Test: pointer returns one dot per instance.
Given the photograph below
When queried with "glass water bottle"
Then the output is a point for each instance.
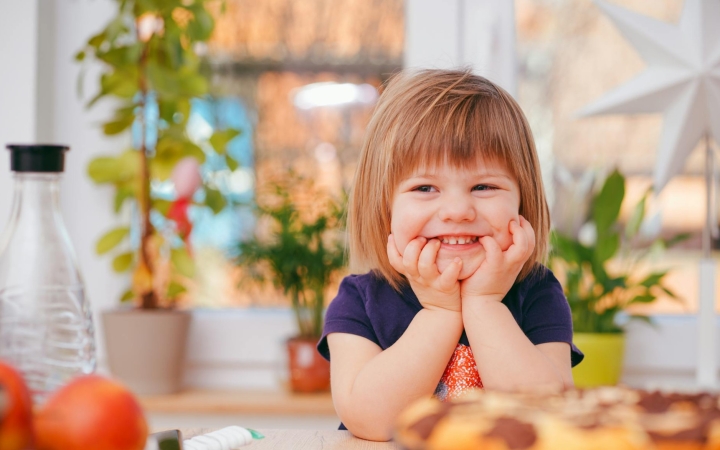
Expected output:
(46, 328)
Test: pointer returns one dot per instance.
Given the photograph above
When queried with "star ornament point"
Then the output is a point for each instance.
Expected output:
(681, 80)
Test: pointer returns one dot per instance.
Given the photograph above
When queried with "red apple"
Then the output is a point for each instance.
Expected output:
(91, 412)
(16, 426)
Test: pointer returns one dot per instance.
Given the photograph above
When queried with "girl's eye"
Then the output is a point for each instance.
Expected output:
(484, 187)
(424, 188)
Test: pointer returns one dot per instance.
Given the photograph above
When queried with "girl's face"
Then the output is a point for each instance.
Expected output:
(456, 206)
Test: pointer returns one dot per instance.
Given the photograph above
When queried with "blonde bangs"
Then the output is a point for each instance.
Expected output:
(428, 119)
(454, 133)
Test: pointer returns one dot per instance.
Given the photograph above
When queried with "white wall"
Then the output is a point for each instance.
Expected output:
(452, 33)
(18, 68)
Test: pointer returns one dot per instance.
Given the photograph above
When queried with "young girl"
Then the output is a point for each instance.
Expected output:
(449, 219)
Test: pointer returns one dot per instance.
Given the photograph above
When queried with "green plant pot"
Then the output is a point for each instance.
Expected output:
(602, 365)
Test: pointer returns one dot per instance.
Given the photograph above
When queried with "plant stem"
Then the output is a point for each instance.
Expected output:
(149, 298)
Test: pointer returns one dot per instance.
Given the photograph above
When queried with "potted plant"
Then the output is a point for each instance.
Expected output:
(151, 68)
(301, 253)
(601, 275)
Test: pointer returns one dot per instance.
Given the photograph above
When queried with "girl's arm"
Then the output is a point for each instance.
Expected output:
(371, 387)
(506, 358)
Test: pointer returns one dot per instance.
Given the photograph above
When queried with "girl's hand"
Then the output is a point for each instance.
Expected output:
(497, 273)
(434, 290)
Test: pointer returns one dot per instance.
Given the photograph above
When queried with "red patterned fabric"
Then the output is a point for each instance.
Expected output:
(460, 375)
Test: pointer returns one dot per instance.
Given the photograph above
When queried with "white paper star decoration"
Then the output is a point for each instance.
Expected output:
(682, 79)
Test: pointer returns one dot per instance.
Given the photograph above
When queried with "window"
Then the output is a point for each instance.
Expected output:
(569, 55)
(271, 61)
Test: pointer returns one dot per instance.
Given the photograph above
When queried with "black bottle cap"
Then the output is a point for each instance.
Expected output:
(37, 157)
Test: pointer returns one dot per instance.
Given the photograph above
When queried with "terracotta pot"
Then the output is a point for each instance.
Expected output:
(146, 348)
(309, 371)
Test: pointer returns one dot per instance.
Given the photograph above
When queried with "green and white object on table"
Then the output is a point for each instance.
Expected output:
(228, 438)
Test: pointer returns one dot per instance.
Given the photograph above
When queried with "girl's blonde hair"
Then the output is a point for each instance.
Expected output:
(426, 119)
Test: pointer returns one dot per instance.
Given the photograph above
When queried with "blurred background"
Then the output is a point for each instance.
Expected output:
(299, 79)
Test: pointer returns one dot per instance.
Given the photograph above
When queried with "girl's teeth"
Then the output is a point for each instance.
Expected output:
(458, 240)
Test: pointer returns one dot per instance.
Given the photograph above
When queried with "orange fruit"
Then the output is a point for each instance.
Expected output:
(91, 412)
(16, 425)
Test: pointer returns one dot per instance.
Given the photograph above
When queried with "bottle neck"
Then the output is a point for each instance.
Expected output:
(36, 194)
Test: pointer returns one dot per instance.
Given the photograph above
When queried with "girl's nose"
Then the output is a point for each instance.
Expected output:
(457, 210)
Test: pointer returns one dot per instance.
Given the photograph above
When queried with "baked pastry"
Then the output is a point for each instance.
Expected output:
(604, 418)
(676, 421)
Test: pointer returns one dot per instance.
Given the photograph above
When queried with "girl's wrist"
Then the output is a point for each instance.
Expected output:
(443, 314)
(481, 304)
(479, 299)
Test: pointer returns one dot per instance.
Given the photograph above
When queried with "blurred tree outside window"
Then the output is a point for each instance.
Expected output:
(570, 54)
(270, 60)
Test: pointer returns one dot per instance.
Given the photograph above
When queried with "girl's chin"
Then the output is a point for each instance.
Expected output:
(470, 265)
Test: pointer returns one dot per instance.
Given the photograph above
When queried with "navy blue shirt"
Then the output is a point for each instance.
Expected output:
(366, 305)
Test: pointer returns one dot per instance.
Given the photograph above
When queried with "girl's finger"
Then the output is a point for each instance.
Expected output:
(411, 255)
(426, 262)
(518, 251)
(394, 255)
(450, 275)
(530, 232)
(493, 252)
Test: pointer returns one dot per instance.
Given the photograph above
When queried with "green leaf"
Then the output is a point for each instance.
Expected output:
(169, 151)
(678, 238)
(565, 248)
(193, 85)
(80, 56)
(111, 239)
(122, 262)
(103, 169)
(97, 40)
(232, 164)
(175, 289)
(121, 83)
(162, 206)
(118, 126)
(190, 149)
(106, 169)
(121, 195)
(215, 200)
(647, 298)
(182, 262)
(606, 206)
(220, 139)
(653, 279)
(607, 247)
(670, 293)
(201, 26)
(164, 81)
(643, 318)
(638, 214)
(127, 296)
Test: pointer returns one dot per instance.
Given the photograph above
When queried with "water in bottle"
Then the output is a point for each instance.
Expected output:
(46, 328)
